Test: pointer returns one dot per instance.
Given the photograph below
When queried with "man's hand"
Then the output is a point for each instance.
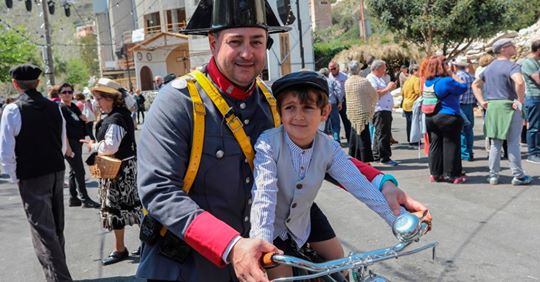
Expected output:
(397, 197)
(391, 86)
(69, 152)
(245, 256)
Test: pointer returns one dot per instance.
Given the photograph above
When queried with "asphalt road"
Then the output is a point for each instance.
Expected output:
(485, 233)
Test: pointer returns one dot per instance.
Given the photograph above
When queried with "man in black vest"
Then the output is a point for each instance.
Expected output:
(37, 167)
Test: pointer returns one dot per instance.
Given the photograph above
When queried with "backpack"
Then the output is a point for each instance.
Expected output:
(430, 101)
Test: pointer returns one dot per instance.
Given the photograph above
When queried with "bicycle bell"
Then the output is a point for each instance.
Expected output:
(406, 227)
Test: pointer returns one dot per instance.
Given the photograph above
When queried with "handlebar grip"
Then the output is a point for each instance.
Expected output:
(267, 261)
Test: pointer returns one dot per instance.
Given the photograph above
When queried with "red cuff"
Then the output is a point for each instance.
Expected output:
(210, 237)
(368, 171)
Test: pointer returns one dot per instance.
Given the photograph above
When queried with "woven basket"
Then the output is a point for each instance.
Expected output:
(106, 167)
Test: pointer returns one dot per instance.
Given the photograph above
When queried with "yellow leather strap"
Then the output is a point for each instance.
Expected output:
(271, 102)
(197, 143)
(233, 122)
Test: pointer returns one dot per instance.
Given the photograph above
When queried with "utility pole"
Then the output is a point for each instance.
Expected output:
(47, 54)
(362, 22)
(300, 31)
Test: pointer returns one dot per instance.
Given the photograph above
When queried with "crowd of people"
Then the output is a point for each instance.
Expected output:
(449, 127)
(209, 203)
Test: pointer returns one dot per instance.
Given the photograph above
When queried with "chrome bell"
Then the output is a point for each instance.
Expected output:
(406, 227)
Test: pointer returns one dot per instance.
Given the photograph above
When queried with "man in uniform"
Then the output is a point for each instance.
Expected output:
(212, 220)
(37, 168)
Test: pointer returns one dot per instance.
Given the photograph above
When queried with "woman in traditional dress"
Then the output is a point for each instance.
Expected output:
(115, 134)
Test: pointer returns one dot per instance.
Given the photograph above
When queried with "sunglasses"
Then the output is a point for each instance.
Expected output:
(66, 92)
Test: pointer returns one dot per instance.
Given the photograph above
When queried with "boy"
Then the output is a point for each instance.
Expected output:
(291, 162)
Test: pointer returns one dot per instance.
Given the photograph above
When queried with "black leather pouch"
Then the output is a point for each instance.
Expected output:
(149, 232)
(174, 248)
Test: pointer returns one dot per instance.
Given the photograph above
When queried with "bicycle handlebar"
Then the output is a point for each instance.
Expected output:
(406, 229)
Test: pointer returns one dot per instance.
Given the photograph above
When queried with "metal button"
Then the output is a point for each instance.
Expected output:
(302, 167)
(294, 205)
(246, 121)
(246, 161)
(246, 219)
(242, 106)
(248, 179)
(220, 154)
(299, 186)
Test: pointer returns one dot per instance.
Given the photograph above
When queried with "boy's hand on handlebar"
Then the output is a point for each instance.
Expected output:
(397, 198)
(245, 256)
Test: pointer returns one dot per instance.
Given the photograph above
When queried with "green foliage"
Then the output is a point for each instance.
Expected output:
(89, 54)
(324, 52)
(77, 72)
(449, 23)
(343, 34)
(14, 49)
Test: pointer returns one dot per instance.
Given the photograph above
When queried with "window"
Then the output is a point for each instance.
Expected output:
(176, 19)
(152, 24)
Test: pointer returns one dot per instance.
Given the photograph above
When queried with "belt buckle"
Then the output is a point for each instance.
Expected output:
(234, 124)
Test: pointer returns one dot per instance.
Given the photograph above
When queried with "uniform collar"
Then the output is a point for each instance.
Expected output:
(226, 85)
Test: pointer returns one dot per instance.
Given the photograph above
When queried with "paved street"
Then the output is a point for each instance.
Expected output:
(486, 233)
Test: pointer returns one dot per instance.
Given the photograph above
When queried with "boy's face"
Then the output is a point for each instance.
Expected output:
(301, 121)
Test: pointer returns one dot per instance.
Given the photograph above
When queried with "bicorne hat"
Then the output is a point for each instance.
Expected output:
(215, 15)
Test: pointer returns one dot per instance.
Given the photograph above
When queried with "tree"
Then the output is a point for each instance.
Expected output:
(77, 72)
(15, 48)
(89, 53)
(451, 24)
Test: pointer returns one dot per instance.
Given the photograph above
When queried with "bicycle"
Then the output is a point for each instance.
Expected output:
(407, 228)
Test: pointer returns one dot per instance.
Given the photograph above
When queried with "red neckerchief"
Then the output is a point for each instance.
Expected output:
(225, 84)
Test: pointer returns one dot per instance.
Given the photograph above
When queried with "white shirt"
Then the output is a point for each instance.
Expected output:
(111, 143)
(10, 127)
(385, 102)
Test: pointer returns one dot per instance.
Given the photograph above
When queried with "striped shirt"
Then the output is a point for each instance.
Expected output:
(468, 96)
(265, 187)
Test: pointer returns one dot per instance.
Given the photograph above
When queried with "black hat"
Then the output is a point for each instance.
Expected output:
(170, 77)
(214, 15)
(300, 78)
(25, 72)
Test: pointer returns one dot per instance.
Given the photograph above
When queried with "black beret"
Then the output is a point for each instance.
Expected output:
(25, 72)
(300, 78)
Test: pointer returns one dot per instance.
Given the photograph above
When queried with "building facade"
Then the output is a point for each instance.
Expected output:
(157, 48)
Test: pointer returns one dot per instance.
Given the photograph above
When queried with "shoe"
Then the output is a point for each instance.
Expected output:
(88, 203)
(493, 180)
(393, 141)
(459, 179)
(115, 257)
(390, 163)
(434, 178)
(535, 159)
(525, 180)
(73, 202)
(137, 252)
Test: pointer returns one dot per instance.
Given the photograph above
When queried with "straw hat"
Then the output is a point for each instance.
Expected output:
(106, 85)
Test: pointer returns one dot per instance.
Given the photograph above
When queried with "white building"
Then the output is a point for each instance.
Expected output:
(159, 49)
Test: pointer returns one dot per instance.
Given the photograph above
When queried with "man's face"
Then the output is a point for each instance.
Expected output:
(240, 53)
(333, 68)
(380, 71)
